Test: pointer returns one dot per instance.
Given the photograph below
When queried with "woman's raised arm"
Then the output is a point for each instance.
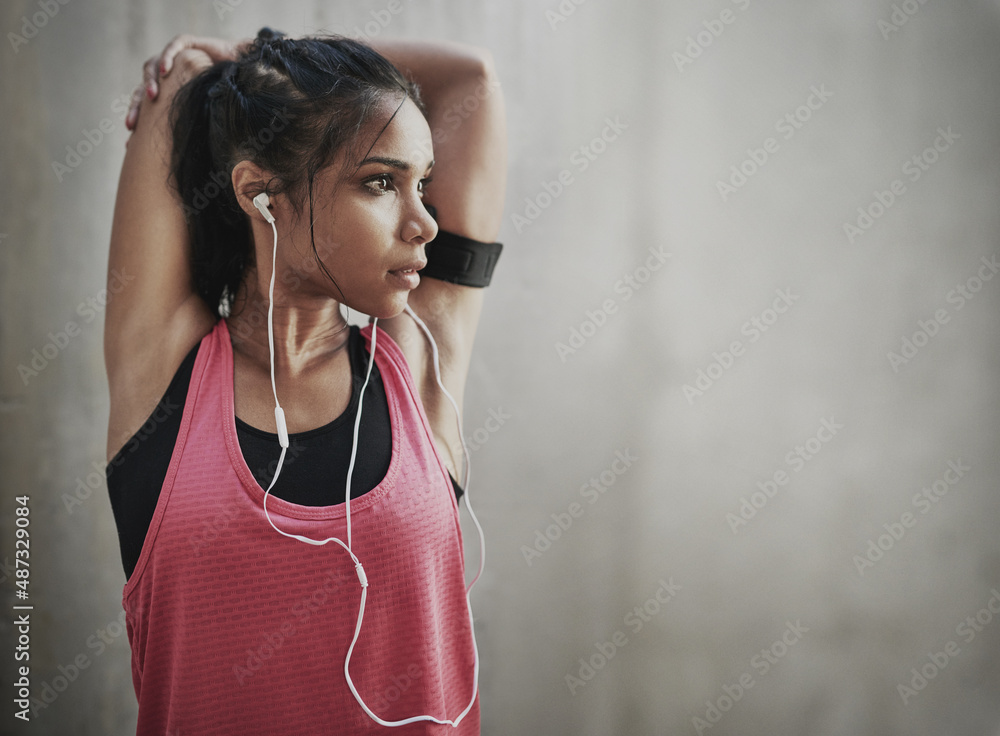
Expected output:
(155, 318)
(465, 111)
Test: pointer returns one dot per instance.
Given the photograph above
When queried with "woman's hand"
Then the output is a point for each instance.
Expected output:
(216, 49)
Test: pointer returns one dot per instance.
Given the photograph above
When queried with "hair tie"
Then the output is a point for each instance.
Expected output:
(226, 83)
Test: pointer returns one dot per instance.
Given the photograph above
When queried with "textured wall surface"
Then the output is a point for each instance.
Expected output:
(741, 358)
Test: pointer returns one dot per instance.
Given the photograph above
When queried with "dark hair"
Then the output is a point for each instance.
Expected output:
(289, 106)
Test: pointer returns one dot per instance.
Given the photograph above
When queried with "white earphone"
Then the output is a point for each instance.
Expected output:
(261, 202)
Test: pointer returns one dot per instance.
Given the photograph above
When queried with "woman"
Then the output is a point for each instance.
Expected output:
(265, 185)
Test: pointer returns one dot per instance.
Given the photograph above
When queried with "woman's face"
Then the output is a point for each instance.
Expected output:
(370, 224)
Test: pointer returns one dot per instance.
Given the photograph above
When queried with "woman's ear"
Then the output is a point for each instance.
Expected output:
(249, 180)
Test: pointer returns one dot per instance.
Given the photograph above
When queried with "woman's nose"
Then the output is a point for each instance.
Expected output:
(420, 227)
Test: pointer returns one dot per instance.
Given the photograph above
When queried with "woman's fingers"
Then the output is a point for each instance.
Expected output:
(150, 78)
(160, 66)
(133, 107)
(217, 49)
(177, 43)
(148, 88)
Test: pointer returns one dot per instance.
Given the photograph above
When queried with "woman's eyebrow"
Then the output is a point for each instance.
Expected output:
(393, 162)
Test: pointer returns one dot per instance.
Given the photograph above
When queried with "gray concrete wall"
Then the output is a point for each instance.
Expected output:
(800, 610)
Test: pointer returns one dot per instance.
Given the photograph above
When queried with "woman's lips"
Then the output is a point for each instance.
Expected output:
(407, 278)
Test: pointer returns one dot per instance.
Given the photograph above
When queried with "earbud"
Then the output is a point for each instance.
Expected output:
(261, 202)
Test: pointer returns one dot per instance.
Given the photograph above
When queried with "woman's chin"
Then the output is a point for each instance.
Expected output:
(391, 307)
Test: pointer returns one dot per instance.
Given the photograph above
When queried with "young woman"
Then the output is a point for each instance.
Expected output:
(266, 185)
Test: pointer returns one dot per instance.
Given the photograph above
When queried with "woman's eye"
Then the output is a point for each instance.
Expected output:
(383, 184)
(380, 184)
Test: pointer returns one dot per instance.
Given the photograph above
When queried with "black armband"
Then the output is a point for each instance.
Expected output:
(460, 260)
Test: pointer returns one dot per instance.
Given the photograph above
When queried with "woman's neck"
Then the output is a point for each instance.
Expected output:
(307, 330)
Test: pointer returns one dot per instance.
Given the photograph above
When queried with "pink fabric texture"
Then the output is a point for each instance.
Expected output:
(236, 629)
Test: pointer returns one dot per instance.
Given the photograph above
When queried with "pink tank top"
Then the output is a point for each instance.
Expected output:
(236, 629)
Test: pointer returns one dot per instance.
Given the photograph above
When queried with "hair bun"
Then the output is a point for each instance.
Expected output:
(268, 34)
(270, 45)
